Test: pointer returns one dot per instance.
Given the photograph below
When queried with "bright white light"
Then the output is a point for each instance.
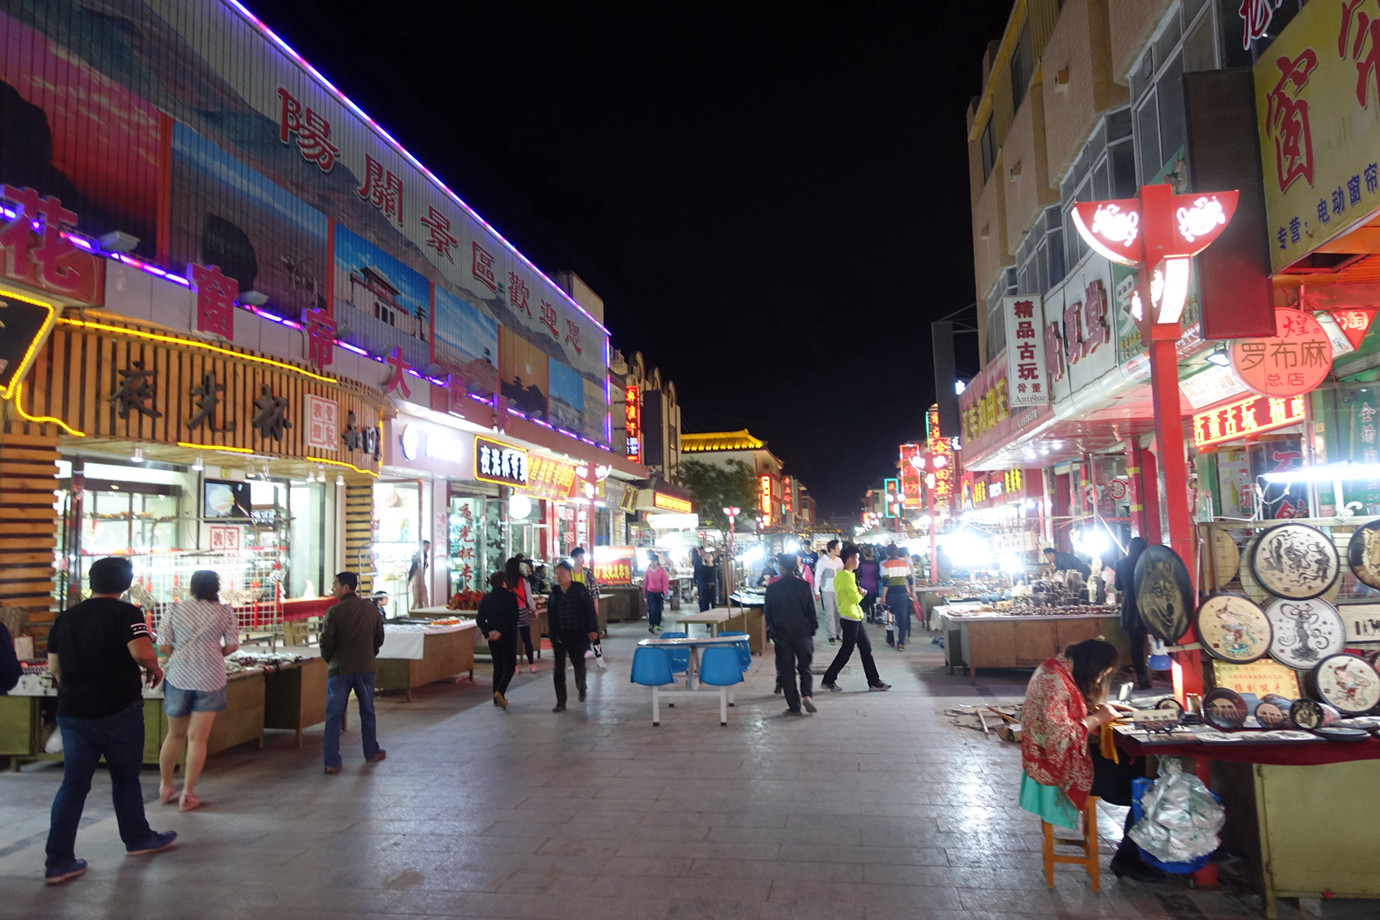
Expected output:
(1012, 564)
(1092, 541)
(519, 506)
(959, 387)
(755, 554)
(1117, 227)
(792, 546)
(1199, 220)
(965, 545)
(1171, 307)
(1330, 472)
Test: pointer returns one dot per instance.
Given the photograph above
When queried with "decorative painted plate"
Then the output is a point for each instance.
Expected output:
(1305, 632)
(1310, 714)
(1295, 561)
(1226, 556)
(1333, 733)
(1164, 596)
(1348, 683)
(1170, 703)
(1233, 628)
(1363, 554)
(1272, 715)
(1224, 709)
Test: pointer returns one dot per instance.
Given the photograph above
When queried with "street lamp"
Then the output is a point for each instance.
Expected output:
(731, 513)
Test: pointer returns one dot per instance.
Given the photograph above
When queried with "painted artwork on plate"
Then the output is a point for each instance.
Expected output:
(1295, 561)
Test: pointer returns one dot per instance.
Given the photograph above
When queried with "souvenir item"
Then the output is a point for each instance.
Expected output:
(1305, 632)
(1308, 715)
(1273, 715)
(1164, 596)
(1363, 554)
(1224, 709)
(1348, 683)
(1218, 737)
(1333, 733)
(1289, 735)
(1233, 628)
(1226, 557)
(1170, 703)
(1295, 561)
(1366, 723)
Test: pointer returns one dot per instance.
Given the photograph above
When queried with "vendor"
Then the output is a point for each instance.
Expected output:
(1061, 724)
(1065, 562)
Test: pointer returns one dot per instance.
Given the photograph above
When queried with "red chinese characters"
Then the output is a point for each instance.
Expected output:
(1293, 361)
(1096, 330)
(1286, 120)
(572, 335)
(38, 255)
(1364, 48)
(321, 332)
(482, 267)
(382, 189)
(313, 133)
(215, 301)
(439, 225)
(397, 380)
(518, 294)
(548, 318)
(1255, 19)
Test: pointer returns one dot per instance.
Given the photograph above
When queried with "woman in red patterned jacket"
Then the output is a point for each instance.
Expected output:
(1065, 709)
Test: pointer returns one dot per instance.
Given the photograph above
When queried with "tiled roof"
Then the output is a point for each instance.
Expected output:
(719, 440)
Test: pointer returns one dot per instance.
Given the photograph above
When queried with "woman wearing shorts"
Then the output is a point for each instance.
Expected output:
(195, 635)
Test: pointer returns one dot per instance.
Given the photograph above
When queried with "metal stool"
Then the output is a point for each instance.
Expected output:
(1088, 844)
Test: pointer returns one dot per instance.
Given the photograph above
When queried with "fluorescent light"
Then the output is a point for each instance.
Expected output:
(1327, 472)
(138, 455)
(198, 465)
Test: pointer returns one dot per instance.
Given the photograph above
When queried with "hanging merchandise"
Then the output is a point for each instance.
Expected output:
(1295, 561)
(1164, 596)
(1305, 632)
(1232, 628)
(1178, 821)
(1348, 683)
(1363, 554)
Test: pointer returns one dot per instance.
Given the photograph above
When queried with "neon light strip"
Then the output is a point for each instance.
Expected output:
(345, 100)
(342, 463)
(216, 447)
(189, 343)
(32, 352)
(41, 419)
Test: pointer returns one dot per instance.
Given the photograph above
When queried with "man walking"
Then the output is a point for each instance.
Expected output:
(350, 643)
(789, 610)
(573, 624)
(854, 632)
(96, 651)
(825, 570)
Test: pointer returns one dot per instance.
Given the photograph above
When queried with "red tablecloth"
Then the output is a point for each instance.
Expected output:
(304, 608)
(1306, 754)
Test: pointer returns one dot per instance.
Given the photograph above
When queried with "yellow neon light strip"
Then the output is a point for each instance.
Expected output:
(173, 340)
(41, 419)
(341, 463)
(233, 450)
(38, 341)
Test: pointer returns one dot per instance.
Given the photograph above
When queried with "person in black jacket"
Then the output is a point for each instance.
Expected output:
(789, 610)
(10, 668)
(572, 624)
(498, 620)
(1131, 623)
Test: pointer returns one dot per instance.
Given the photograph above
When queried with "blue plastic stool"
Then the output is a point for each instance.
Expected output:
(651, 667)
(719, 667)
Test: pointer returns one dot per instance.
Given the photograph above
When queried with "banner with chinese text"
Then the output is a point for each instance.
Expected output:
(1025, 351)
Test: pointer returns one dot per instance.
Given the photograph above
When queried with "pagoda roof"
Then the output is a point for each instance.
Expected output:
(719, 440)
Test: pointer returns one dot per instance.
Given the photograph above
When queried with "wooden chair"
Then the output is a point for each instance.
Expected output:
(1088, 859)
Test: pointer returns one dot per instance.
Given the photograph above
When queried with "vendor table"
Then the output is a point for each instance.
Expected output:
(621, 604)
(932, 596)
(415, 655)
(975, 640)
(1297, 812)
(295, 696)
(712, 620)
(481, 641)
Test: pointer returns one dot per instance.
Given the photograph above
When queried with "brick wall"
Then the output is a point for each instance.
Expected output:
(1025, 178)
(1131, 23)
(1078, 87)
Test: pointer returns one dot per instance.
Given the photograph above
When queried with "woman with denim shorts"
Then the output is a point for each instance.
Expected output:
(195, 635)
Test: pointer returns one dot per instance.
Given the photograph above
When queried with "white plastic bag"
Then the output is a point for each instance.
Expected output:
(1181, 817)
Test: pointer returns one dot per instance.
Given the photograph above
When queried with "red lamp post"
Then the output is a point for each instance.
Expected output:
(732, 569)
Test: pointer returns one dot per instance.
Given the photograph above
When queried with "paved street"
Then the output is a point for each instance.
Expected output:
(875, 808)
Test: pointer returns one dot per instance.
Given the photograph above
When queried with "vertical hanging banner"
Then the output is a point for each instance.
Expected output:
(1025, 351)
(912, 461)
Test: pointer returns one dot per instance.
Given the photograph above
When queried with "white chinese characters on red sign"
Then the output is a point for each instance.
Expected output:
(323, 423)
(1295, 360)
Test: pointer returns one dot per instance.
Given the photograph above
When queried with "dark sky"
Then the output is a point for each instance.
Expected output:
(771, 197)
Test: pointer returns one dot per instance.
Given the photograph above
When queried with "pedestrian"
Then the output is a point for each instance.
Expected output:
(194, 636)
(706, 579)
(10, 668)
(898, 581)
(573, 624)
(789, 611)
(825, 570)
(1131, 623)
(854, 631)
(497, 619)
(417, 575)
(350, 643)
(655, 585)
(585, 576)
(516, 573)
(96, 652)
(869, 581)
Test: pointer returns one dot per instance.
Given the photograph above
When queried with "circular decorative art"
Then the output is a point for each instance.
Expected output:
(1164, 596)
(1170, 703)
(1224, 709)
(1363, 554)
(1349, 683)
(1333, 733)
(1226, 557)
(1272, 715)
(1295, 561)
(1232, 628)
(1305, 632)
(1310, 714)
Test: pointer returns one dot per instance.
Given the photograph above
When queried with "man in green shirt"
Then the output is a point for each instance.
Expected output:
(849, 597)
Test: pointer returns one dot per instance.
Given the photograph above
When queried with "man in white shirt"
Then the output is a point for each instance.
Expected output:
(825, 570)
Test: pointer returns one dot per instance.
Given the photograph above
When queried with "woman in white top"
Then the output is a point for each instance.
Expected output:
(195, 635)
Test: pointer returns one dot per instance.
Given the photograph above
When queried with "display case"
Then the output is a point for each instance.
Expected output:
(397, 538)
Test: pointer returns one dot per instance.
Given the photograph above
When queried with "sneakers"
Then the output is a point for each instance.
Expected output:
(155, 844)
(559, 707)
(332, 771)
(879, 687)
(831, 687)
(377, 756)
(833, 642)
(56, 875)
(793, 712)
(809, 705)
(900, 647)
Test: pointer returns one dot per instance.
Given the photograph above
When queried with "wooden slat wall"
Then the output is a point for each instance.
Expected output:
(359, 532)
(28, 521)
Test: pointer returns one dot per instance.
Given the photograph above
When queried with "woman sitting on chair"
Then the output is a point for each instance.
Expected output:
(1061, 722)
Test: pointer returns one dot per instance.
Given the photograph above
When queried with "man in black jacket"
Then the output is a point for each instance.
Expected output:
(573, 624)
(789, 610)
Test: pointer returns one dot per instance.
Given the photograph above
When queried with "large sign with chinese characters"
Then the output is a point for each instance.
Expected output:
(552, 479)
(35, 249)
(940, 477)
(1295, 360)
(293, 194)
(912, 468)
(1244, 418)
(1317, 92)
(500, 463)
(632, 422)
(671, 503)
(1078, 329)
(613, 565)
(1025, 351)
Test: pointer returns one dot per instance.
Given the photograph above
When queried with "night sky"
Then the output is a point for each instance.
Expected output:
(770, 197)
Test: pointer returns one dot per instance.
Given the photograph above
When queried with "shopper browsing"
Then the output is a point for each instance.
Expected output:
(825, 569)
(350, 643)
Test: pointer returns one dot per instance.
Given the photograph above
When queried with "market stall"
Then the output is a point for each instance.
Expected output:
(986, 635)
(413, 655)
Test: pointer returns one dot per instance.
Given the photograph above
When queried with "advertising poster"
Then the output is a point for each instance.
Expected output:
(567, 398)
(466, 342)
(524, 384)
(381, 303)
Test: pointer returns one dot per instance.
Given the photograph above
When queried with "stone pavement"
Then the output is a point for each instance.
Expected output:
(875, 809)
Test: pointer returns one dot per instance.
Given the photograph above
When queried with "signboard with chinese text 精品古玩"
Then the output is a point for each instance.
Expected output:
(1293, 361)
(1025, 351)
(293, 193)
(1317, 95)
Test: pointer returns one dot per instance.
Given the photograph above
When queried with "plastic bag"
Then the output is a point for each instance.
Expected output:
(1181, 817)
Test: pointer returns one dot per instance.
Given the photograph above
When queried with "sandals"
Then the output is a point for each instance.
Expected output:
(189, 802)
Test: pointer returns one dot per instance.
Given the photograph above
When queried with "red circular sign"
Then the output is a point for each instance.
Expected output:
(1117, 488)
(1295, 360)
